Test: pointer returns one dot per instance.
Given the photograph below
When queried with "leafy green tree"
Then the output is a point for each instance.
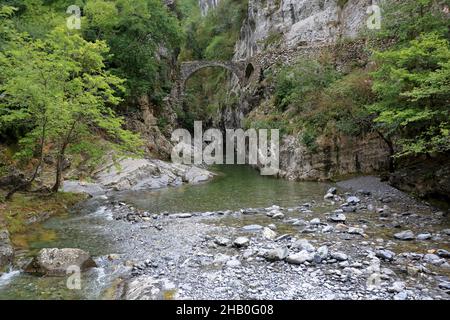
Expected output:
(412, 84)
(59, 87)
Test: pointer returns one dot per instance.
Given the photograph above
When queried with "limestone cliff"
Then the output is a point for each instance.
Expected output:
(277, 32)
(291, 23)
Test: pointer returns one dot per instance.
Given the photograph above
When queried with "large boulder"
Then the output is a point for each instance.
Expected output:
(6, 249)
(55, 262)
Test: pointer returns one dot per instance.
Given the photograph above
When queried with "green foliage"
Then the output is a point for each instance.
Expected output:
(135, 30)
(413, 87)
(214, 36)
(58, 89)
(405, 20)
(297, 84)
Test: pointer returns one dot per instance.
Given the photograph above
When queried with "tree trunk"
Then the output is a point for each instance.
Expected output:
(61, 154)
(59, 169)
(27, 183)
(391, 151)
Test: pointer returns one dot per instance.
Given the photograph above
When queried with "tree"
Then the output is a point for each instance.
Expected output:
(412, 84)
(59, 87)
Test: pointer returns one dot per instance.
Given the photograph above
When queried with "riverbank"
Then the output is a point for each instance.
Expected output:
(24, 213)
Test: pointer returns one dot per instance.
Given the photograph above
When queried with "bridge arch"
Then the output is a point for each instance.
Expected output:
(187, 69)
(243, 70)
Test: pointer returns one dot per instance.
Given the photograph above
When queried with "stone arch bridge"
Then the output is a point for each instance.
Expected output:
(243, 70)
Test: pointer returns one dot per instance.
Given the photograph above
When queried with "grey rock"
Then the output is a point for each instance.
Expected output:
(233, 263)
(56, 262)
(433, 259)
(443, 253)
(276, 254)
(328, 196)
(338, 217)
(252, 227)
(180, 215)
(278, 216)
(445, 285)
(300, 258)
(322, 252)
(385, 254)
(221, 259)
(332, 190)
(404, 235)
(315, 221)
(397, 286)
(424, 236)
(353, 200)
(339, 256)
(353, 230)
(304, 244)
(269, 234)
(401, 296)
(221, 241)
(241, 242)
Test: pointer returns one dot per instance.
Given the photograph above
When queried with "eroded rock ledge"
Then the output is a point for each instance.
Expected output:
(139, 174)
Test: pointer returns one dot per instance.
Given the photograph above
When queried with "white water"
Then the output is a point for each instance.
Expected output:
(6, 277)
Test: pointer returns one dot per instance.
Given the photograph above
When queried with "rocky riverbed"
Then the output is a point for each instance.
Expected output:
(360, 240)
(374, 243)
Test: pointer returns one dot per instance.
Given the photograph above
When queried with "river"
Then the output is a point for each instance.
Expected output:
(90, 226)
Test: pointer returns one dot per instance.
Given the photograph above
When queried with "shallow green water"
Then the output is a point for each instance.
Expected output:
(234, 187)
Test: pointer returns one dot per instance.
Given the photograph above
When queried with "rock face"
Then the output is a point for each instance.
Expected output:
(140, 174)
(299, 21)
(340, 156)
(55, 262)
(6, 249)
(428, 178)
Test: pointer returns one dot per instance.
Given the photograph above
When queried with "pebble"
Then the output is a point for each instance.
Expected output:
(304, 244)
(221, 241)
(397, 286)
(385, 254)
(252, 227)
(404, 235)
(181, 215)
(269, 234)
(443, 253)
(353, 200)
(339, 256)
(233, 263)
(424, 236)
(300, 258)
(338, 217)
(332, 190)
(401, 296)
(276, 254)
(241, 242)
(278, 215)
